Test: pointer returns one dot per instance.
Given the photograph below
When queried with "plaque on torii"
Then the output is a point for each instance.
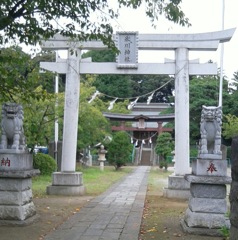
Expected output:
(181, 67)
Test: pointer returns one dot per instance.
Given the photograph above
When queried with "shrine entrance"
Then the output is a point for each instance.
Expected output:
(127, 63)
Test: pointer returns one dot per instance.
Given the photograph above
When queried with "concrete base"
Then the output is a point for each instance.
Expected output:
(16, 170)
(206, 220)
(201, 231)
(208, 167)
(66, 184)
(25, 222)
(176, 193)
(12, 161)
(178, 187)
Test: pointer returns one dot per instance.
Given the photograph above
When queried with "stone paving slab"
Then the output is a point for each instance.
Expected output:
(116, 214)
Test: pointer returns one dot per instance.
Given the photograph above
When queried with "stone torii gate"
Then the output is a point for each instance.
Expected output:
(128, 44)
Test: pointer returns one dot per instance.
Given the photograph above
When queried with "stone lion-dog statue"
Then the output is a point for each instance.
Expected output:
(12, 136)
(210, 129)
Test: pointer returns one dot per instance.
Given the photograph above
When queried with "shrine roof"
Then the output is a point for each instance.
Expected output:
(136, 117)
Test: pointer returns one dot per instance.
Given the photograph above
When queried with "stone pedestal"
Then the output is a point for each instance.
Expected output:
(66, 183)
(178, 187)
(16, 205)
(207, 207)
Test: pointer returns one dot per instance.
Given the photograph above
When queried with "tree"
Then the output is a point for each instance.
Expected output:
(19, 76)
(39, 118)
(230, 126)
(164, 147)
(119, 149)
(144, 84)
(29, 21)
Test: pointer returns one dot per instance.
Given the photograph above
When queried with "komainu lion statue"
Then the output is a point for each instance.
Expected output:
(12, 136)
(210, 129)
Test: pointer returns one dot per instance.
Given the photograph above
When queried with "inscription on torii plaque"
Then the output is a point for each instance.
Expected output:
(127, 43)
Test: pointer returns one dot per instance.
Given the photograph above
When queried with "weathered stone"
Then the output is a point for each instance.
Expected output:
(19, 174)
(12, 133)
(17, 212)
(208, 205)
(210, 129)
(207, 167)
(208, 191)
(67, 179)
(66, 190)
(12, 184)
(215, 232)
(16, 169)
(15, 198)
(15, 161)
(178, 187)
(208, 179)
(205, 220)
(178, 182)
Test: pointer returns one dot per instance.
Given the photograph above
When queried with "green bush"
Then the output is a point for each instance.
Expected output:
(45, 163)
(119, 149)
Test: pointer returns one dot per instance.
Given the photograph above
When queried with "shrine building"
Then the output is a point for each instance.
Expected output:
(144, 124)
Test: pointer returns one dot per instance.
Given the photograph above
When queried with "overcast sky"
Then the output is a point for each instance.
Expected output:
(204, 15)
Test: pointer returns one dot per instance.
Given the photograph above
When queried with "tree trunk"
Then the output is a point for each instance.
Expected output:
(234, 190)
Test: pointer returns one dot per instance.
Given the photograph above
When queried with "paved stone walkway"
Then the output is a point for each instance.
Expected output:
(114, 215)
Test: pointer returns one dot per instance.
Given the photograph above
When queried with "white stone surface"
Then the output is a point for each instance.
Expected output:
(71, 110)
(66, 190)
(67, 179)
(182, 113)
(200, 41)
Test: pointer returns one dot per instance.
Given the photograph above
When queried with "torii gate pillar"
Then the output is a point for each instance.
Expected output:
(68, 181)
(181, 112)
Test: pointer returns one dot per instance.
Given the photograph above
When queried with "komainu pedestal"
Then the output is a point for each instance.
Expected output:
(207, 208)
(16, 170)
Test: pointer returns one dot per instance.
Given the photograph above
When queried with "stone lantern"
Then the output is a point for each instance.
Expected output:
(101, 157)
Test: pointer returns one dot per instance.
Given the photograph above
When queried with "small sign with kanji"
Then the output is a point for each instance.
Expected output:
(6, 162)
(127, 43)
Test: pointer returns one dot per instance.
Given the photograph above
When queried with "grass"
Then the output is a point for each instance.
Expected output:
(95, 180)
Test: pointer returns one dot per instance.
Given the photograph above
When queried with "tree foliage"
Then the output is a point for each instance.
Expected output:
(40, 116)
(164, 145)
(230, 126)
(119, 149)
(19, 76)
(29, 21)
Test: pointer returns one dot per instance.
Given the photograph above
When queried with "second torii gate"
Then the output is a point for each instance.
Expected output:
(181, 68)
